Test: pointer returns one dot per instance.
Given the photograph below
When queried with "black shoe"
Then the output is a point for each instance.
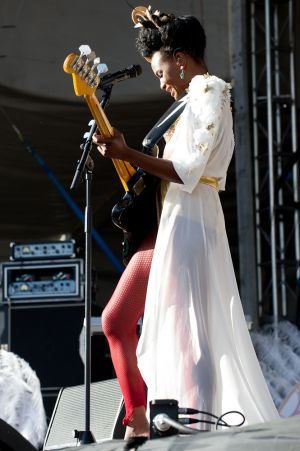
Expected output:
(134, 442)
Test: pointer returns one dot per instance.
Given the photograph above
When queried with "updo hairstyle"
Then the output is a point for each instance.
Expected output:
(169, 34)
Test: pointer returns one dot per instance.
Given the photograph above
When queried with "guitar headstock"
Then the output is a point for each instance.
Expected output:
(85, 69)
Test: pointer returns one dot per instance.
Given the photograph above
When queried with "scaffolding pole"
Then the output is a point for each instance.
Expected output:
(274, 146)
(243, 159)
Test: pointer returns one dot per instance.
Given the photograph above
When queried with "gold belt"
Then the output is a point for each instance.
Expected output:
(212, 181)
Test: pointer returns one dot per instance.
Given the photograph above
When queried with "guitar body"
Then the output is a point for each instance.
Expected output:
(135, 214)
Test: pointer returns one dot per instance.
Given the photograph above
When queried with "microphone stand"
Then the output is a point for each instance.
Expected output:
(86, 165)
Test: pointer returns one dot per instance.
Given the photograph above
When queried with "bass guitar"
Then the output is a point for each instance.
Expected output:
(135, 213)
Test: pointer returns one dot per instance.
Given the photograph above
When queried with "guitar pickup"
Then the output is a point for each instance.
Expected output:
(138, 186)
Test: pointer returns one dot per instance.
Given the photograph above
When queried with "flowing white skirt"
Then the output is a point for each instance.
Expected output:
(195, 346)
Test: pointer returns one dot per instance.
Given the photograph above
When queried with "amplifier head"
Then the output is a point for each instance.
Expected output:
(42, 250)
(42, 280)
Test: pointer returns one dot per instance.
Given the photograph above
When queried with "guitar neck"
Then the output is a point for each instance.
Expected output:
(124, 169)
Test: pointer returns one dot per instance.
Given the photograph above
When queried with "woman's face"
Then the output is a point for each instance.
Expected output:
(168, 71)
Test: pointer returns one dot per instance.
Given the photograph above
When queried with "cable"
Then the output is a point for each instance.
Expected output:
(220, 419)
(162, 421)
(188, 411)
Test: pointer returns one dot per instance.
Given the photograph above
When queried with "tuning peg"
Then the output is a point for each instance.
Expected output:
(85, 50)
(86, 135)
(91, 56)
(92, 76)
(102, 68)
(96, 62)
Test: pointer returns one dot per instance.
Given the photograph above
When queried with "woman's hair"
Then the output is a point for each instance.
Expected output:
(169, 34)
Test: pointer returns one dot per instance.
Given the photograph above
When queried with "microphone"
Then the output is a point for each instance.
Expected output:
(129, 72)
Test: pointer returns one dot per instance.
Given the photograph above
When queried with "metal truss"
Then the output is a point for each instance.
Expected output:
(276, 158)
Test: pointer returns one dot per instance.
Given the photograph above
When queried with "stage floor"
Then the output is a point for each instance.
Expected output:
(279, 435)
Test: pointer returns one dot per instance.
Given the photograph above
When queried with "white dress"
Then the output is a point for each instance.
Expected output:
(195, 346)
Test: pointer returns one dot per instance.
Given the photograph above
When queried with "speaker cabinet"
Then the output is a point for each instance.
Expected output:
(47, 337)
(106, 413)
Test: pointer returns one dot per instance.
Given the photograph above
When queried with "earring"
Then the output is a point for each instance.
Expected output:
(181, 75)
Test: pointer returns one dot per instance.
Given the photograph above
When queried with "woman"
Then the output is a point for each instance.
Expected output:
(194, 346)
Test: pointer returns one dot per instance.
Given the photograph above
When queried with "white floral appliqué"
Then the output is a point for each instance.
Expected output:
(208, 96)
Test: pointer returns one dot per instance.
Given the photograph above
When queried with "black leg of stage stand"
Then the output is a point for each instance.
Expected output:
(86, 436)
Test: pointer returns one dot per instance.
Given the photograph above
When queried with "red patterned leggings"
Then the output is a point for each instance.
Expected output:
(119, 322)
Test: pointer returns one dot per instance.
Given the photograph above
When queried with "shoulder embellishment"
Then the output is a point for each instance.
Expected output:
(208, 96)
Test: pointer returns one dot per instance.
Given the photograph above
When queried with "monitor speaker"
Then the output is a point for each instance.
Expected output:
(106, 414)
(12, 440)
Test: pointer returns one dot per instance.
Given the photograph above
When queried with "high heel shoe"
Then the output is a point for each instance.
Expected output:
(134, 442)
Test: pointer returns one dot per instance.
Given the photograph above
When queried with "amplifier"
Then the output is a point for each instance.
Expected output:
(38, 251)
(43, 280)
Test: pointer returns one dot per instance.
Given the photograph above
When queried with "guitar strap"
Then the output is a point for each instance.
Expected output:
(164, 123)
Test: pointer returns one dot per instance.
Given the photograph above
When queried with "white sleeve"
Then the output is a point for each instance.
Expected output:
(202, 117)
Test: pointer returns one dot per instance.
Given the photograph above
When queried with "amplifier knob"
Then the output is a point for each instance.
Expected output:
(24, 287)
